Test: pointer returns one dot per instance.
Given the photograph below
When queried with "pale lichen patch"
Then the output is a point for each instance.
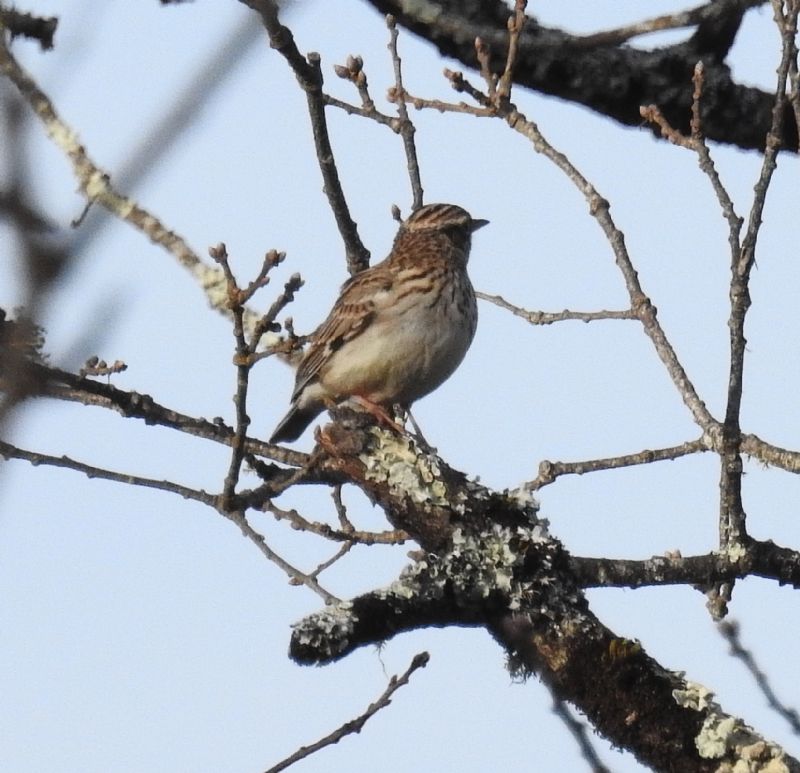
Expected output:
(695, 696)
(327, 632)
(396, 461)
(476, 566)
(724, 736)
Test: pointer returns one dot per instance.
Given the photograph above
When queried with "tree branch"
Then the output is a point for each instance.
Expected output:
(309, 75)
(613, 80)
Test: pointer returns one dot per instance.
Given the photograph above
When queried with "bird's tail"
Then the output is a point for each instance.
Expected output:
(294, 423)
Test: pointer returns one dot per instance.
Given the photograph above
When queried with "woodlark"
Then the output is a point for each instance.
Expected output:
(398, 329)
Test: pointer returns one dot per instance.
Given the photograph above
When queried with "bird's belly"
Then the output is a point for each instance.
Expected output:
(400, 361)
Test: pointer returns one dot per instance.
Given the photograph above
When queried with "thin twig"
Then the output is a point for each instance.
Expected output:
(339, 554)
(393, 537)
(372, 113)
(732, 519)
(578, 731)
(407, 128)
(355, 725)
(9, 451)
(730, 630)
(296, 576)
(550, 471)
(309, 75)
(516, 24)
(549, 317)
(236, 298)
(341, 510)
(599, 208)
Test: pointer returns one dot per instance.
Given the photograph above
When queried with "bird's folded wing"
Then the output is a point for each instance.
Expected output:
(360, 298)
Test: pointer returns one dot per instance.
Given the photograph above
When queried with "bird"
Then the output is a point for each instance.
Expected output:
(398, 329)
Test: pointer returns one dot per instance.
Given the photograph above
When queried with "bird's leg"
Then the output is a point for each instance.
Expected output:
(420, 438)
(379, 412)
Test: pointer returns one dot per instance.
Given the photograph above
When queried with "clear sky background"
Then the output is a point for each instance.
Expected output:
(141, 632)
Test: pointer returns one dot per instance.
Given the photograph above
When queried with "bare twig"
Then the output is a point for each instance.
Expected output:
(549, 317)
(550, 471)
(339, 554)
(730, 630)
(341, 510)
(516, 24)
(236, 299)
(578, 731)
(355, 725)
(732, 520)
(309, 75)
(599, 208)
(345, 534)
(296, 576)
(406, 126)
(9, 451)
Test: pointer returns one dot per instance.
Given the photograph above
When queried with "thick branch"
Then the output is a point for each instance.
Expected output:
(613, 80)
(489, 563)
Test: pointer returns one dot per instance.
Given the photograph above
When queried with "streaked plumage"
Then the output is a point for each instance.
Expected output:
(398, 329)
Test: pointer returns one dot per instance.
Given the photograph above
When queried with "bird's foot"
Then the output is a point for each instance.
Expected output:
(382, 416)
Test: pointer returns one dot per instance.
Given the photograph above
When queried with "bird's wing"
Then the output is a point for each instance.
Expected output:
(360, 297)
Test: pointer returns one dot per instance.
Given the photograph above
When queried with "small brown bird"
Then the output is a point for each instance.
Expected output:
(398, 329)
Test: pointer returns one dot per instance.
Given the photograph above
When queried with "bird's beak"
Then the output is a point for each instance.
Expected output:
(476, 224)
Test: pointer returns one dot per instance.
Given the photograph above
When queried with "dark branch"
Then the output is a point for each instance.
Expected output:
(26, 25)
(309, 75)
(613, 80)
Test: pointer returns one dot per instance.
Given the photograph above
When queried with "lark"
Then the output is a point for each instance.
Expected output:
(399, 329)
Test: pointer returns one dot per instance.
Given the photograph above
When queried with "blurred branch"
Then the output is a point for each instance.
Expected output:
(42, 254)
(309, 75)
(26, 25)
(206, 82)
(96, 184)
(578, 730)
(356, 725)
(730, 631)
